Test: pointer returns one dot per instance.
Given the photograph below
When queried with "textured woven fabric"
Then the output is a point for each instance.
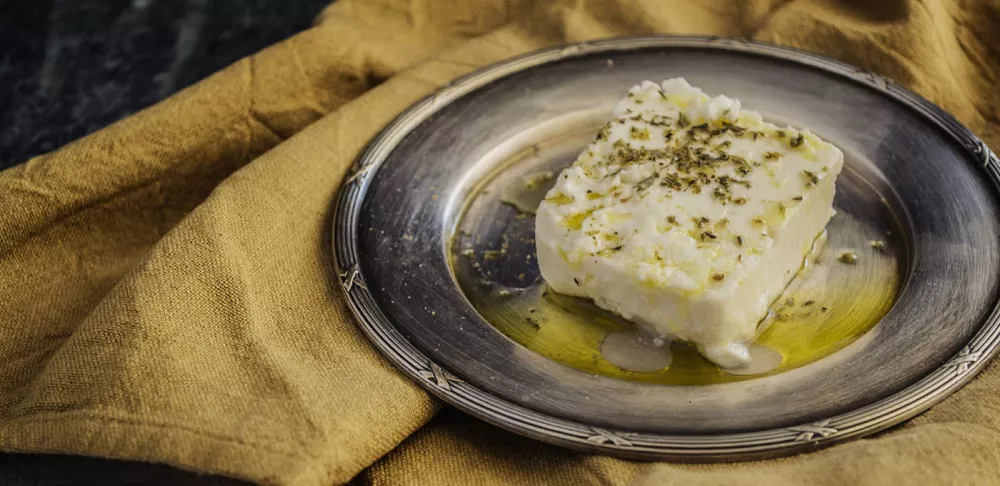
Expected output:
(167, 293)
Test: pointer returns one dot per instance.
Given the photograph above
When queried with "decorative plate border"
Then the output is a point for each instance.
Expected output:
(722, 447)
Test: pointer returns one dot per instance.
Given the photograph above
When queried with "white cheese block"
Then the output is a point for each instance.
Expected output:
(688, 216)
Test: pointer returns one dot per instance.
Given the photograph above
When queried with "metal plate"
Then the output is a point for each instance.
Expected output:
(915, 178)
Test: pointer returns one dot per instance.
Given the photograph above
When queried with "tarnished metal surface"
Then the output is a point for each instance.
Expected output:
(915, 178)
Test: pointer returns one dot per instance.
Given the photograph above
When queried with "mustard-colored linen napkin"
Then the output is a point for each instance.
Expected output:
(166, 287)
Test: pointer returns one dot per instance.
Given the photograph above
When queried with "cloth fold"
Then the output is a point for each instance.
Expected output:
(167, 288)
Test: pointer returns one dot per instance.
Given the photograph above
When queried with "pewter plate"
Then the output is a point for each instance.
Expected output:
(437, 267)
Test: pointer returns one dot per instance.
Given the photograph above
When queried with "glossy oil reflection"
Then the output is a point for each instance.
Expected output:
(831, 304)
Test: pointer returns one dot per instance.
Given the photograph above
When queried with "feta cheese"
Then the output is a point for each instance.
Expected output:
(687, 215)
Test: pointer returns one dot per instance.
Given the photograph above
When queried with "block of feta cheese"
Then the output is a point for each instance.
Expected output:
(688, 216)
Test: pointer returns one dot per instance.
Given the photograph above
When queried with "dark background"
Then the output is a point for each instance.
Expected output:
(70, 67)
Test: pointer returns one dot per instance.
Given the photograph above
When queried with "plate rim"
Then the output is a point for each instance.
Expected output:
(894, 409)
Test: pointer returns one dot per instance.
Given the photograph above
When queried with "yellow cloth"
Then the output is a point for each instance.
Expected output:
(167, 293)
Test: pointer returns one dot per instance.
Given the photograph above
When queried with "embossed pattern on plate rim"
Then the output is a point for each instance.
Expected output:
(916, 398)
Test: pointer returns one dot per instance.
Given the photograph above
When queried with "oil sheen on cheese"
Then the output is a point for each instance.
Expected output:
(688, 216)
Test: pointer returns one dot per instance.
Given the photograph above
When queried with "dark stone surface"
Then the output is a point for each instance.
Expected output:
(38, 470)
(69, 67)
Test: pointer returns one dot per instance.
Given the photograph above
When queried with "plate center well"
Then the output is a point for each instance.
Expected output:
(831, 305)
